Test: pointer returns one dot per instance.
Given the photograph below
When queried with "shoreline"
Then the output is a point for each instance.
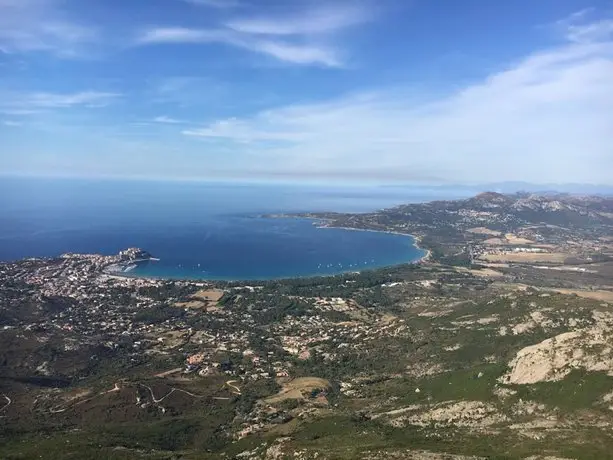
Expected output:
(323, 220)
(416, 240)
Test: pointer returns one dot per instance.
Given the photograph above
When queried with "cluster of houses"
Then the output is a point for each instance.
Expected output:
(99, 303)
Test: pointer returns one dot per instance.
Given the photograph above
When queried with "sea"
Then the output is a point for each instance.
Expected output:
(204, 230)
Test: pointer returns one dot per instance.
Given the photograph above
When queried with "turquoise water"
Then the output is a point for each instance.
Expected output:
(201, 231)
(243, 248)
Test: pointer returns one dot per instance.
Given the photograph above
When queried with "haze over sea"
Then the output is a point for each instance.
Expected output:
(203, 230)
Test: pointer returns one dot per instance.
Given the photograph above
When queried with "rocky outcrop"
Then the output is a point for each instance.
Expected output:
(554, 358)
(132, 254)
(467, 414)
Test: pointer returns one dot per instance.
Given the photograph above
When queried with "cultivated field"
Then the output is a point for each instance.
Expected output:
(298, 388)
(527, 257)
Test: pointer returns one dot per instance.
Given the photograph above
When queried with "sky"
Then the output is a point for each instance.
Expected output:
(385, 91)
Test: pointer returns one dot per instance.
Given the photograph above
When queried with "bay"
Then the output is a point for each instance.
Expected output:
(201, 230)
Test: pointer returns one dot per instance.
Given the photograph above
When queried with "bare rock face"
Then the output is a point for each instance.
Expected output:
(462, 413)
(467, 414)
(554, 358)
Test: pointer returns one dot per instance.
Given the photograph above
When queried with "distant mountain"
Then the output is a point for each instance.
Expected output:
(449, 219)
(518, 204)
(514, 187)
(494, 198)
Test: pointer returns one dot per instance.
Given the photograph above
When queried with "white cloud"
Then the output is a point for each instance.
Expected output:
(284, 51)
(578, 28)
(305, 36)
(38, 25)
(548, 118)
(55, 100)
(244, 132)
(324, 19)
(185, 91)
(167, 120)
(183, 35)
(297, 54)
(588, 33)
(11, 123)
(19, 112)
(31, 103)
(221, 4)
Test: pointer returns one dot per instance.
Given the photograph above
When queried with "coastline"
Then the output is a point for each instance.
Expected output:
(322, 224)
(126, 272)
(416, 239)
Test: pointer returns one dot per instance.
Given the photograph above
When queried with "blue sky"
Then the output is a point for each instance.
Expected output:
(429, 91)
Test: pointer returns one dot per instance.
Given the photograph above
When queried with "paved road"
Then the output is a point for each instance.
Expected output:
(234, 387)
(8, 402)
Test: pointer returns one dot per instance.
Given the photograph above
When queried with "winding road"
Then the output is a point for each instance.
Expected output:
(236, 389)
(8, 402)
(172, 390)
(117, 387)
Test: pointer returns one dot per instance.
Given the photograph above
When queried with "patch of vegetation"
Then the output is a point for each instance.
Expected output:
(578, 390)
(158, 314)
(474, 384)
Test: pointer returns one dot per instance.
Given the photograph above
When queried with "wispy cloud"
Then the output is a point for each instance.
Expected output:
(55, 100)
(546, 118)
(15, 111)
(32, 103)
(244, 131)
(185, 91)
(38, 25)
(182, 35)
(578, 27)
(589, 33)
(284, 51)
(221, 4)
(297, 54)
(12, 123)
(303, 37)
(321, 20)
(167, 120)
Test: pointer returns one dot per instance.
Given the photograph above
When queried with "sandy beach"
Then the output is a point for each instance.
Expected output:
(417, 239)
